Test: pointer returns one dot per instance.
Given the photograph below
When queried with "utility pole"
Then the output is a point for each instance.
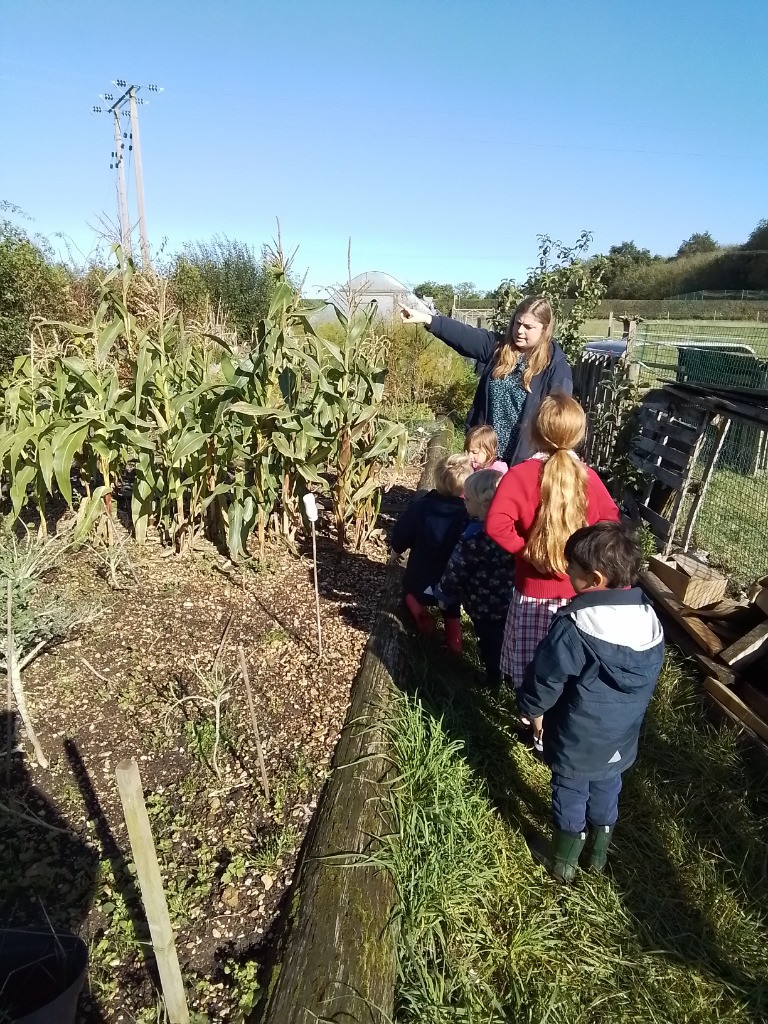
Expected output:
(139, 175)
(122, 199)
(129, 99)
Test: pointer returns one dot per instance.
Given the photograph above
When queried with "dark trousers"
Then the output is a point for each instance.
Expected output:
(577, 803)
(490, 637)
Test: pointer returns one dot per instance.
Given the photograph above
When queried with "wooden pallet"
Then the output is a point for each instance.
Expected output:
(666, 447)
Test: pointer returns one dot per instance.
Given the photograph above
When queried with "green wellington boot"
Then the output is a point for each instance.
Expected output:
(561, 856)
(595, 854)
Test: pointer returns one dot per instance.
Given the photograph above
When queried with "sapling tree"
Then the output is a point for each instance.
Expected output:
(34, 619)
(573, 284)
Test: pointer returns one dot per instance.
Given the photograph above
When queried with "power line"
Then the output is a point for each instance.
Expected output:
(707, 129)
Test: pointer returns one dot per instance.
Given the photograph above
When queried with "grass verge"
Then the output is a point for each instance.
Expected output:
(678, 931)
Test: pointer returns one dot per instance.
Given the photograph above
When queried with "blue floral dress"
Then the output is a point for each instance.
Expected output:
(506, 398)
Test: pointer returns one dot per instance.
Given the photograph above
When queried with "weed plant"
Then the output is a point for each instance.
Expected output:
(676, 932)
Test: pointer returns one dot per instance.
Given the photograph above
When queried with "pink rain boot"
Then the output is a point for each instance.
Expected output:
(424, 621)
(453, 635)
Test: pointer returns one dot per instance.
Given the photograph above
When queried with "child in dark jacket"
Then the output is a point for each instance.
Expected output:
(480, 575)
(590, 683)
(431, 527)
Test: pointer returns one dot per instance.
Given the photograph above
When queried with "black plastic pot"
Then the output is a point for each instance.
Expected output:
(41, 974)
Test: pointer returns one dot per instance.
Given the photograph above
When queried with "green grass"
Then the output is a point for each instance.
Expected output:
(678, 930)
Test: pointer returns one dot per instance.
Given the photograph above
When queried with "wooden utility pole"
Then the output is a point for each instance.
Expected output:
(139, 175)
(122, 199)
(129, 100)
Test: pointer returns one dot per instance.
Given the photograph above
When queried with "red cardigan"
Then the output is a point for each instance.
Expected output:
(511, 516)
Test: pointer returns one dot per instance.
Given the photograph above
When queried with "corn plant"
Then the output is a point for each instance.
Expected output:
(210, 443)
(350, 389)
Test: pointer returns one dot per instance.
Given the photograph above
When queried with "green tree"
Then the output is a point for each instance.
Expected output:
(32, 284)
(467, 295)
(629, 252)
(228, 274)
(699, 242)
(573, 284)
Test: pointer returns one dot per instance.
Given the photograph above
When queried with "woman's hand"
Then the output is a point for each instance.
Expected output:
(413, 316)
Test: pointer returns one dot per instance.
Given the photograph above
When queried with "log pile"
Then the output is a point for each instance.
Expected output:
(728, 638)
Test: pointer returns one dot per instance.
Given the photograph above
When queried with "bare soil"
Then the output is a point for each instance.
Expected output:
(143, 681)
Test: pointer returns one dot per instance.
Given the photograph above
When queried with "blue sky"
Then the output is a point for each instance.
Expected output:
(440, 136)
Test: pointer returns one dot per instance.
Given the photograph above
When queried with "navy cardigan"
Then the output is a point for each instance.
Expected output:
(480, 345)
(431, 527)
(592, 678)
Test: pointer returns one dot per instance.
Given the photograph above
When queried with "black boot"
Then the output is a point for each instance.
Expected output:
(596, 850)
(561, 856)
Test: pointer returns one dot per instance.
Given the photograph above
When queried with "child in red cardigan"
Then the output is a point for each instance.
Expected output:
(538, 505)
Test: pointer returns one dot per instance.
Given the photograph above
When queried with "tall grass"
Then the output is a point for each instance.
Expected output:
(678, 930)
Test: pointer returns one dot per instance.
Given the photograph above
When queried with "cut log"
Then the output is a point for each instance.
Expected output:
(748, 648)
(702, 634)
(339, 955)
(736, 706)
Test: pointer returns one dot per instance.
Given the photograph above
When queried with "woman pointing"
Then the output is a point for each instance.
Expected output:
(517, 370)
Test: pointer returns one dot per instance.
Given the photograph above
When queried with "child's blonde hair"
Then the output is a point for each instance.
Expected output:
(485, 438)
(450, 474)
(479, 489)
(558, 429)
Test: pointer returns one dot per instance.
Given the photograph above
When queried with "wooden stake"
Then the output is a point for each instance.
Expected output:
(317, 594)
(155, 906)
(259, 751)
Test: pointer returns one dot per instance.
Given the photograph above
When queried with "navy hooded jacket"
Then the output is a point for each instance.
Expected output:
(480, 345)
(592, 678)
(431, 527)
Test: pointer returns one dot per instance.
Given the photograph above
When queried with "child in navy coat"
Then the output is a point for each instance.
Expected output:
(590, 683)
(431, 527)
(481, 575)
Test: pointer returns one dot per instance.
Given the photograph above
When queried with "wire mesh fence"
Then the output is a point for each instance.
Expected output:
(728, 480)
(732, 521)
(730, 356)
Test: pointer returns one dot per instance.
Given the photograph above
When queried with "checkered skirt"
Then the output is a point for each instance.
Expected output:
(528, 622)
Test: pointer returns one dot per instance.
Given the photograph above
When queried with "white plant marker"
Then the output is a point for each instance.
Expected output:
(310, 509)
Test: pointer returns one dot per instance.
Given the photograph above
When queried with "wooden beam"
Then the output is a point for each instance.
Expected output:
(661, 449)
(754, 699)
(657, 523)
(709, 667)
(748, 648)
(666, 476)
(721, 431)
(702, 634)
(736, 706)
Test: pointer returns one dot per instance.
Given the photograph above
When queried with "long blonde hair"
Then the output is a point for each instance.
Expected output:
(507, 354)
(559, 427)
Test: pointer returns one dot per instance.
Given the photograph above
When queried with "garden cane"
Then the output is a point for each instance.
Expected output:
(310, 508)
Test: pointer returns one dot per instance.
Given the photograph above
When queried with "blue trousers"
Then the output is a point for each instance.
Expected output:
(577, 803)
(490, 638)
